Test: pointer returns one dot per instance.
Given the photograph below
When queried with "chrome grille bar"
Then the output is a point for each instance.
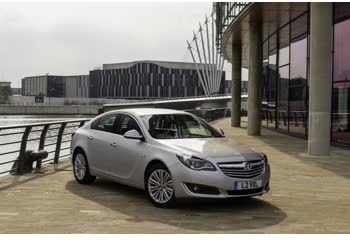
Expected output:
(240, 170)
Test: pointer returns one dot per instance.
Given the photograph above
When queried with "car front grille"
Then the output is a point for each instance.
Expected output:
(244, 170)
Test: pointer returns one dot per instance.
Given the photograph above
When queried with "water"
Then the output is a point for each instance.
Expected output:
(7, 120)
(33, 145)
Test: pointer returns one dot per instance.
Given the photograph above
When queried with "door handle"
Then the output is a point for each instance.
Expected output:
(90, 137)
(114, 144)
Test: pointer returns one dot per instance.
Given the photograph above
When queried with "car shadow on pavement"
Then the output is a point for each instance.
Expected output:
(198, 215)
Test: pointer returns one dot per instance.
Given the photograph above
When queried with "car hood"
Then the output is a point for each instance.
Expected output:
(215, 149)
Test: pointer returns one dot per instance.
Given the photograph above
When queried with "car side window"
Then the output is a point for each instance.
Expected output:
(127, 123)
(105, 123)
(94, 124)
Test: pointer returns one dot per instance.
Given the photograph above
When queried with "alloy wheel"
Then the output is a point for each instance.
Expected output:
(160, 186)
(80, 166)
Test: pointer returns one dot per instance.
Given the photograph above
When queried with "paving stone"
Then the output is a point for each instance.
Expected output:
(308, 195)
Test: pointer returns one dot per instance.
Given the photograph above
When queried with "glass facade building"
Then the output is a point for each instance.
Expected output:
(286, 62)
(285, 76)
(341, 74)
(56, 86)
(147, 79)
(141, 79)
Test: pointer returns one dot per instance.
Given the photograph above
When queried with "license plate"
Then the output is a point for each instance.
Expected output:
(247, 185)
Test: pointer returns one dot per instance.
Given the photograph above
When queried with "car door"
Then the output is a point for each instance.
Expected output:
(128, 152)
(101, 136)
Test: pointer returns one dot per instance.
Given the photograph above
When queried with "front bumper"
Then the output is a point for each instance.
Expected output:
(215, 179)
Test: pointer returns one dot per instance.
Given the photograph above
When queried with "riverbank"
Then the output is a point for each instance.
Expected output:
(17, 119)
(50, 110)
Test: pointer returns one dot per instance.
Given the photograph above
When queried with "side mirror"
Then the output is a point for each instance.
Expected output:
(221, 131)
(134, 134)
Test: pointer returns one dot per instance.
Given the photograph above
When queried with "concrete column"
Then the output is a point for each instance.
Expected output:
(236, 85)
(320, 88)
(254, 78)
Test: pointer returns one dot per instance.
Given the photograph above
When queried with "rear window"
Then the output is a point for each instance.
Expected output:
(105, 123)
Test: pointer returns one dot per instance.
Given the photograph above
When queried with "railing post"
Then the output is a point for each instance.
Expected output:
(42, 142)
(22, 150)
(58, 143)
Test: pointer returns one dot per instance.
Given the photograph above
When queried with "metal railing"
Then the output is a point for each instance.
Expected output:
(94, 102)
(150, 99)
(54, 137)
(203, 97)
(225, 13)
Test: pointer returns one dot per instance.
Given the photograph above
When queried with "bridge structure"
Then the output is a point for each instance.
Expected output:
(202, 50)
(199, 102)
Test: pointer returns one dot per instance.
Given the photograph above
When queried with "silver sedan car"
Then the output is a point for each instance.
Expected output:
(170, 154)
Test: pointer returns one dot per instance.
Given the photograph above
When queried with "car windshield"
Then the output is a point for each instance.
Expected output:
(175, 126)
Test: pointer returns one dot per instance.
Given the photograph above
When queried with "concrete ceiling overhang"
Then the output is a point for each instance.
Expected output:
(273, 15)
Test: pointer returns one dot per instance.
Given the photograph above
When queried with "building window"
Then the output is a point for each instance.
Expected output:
(272, 80)
(341, 75)
(298, 89)
(285, 89)
(265, 81)
(283, 45)
(282, 102)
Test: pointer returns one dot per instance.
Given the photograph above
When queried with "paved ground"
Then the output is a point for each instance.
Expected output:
(308, 195)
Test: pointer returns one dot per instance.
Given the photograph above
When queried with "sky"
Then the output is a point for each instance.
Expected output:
(73, 38)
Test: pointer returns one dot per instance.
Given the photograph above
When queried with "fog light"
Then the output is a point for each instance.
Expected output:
(202, 189)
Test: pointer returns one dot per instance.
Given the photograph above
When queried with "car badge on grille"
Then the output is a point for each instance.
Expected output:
(247, 166)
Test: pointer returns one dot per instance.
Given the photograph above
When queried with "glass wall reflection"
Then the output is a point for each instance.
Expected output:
(285, 76)
(341, 75)
(265, 82)
(285, 90)
(283, 80)
(298, 104)
(272, 77)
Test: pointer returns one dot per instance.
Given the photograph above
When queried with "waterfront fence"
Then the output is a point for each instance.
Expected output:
(55, 137)
(16, 140)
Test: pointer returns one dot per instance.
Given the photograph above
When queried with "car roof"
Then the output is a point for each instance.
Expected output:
(150, 111)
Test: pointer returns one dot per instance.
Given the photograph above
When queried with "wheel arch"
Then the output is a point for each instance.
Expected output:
(75, 151)
(151, 164)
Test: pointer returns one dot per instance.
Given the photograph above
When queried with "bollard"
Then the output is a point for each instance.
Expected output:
(25, 163)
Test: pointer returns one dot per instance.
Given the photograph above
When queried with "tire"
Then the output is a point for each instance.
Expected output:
(81, 169)
(160, 193)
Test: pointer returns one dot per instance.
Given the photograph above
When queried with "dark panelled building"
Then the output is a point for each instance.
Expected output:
(147, 79)
(56, 86)
(140, 79)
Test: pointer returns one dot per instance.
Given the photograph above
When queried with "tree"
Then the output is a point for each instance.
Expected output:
(5, 92)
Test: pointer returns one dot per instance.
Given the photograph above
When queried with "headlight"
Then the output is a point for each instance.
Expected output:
(264, 157)
(196, 163)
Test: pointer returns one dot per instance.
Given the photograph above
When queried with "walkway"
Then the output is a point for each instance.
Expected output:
(308, 195)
